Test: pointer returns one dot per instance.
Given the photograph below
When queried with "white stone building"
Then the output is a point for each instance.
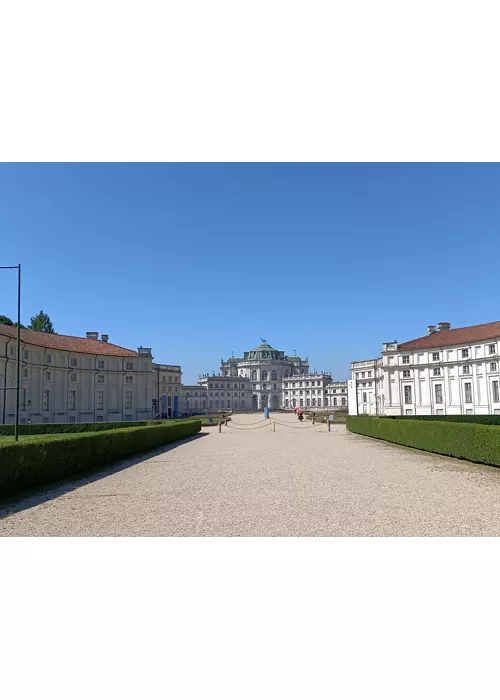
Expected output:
(67, 379)
(449, 371)
(193, 399)
(306, 391)
(225, 392)
(336, 396)
(266, 368)
(167, 390)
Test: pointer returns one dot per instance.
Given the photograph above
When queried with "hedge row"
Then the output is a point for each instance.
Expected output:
(474, 442)
(30, 463)
(53, 428)
(484, 419)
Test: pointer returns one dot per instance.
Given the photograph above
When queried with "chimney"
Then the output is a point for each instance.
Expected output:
(91, 335)
(431, 329)
(104, 337)
(443, 326)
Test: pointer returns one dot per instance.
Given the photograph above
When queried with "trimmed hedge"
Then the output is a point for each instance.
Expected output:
(474, 442)
(484, 419)
(58, 428)
(31, 463)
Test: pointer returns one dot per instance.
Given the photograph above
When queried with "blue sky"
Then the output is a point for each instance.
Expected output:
(198, 260)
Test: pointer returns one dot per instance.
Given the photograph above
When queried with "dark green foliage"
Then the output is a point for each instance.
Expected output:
(6, 321)
(58, 428)
(41, 322)
(472, 441)
(485, 420)
(30, 463)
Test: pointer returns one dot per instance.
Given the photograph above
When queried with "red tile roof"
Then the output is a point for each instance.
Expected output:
(455, 336)
(68, 343)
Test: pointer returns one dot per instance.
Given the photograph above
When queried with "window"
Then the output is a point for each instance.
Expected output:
(439, 411)
(494, 389)
(438, 392)
(362, 376)
(274, 375)
(129, 380)
(72, 377)
(210, 386)
(72, 419)
(493, 366)
(343, 402)
(466, 369)
(436, 371)
(492, 349)
(364, 396)
(263, 375)
(369, 374)
(465, 353)
(100, 364)
(23, 399)
(319, 402)
(46, 399)
(235, 386)
(11, 350)
(406, 373)
(335, 402)
(25, 355)
(72, 362)
(100, 378)
(100, 400)
(176, 379)
(128, 416)
(469, 411)
(25, 373)
(129, 365)
(99, 419)
(72, 400)
(48, 359)
(468, 392)
(406, 359)
(254, 375)
(435, 356)
(408, 396)
(128, 399)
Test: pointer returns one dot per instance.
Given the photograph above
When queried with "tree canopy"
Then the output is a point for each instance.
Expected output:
(41, 322)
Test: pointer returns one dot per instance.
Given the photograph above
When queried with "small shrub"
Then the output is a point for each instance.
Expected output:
(32, 463)
(471, 441)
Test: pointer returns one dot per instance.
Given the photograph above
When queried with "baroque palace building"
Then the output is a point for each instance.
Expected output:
(69, 379)
(449, 371)
(268, 378)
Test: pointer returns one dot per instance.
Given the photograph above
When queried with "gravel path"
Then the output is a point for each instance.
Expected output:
(251, 481)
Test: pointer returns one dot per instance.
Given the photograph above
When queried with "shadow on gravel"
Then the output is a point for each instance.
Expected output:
(42, 494)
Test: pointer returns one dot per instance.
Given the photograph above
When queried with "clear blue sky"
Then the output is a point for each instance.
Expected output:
(197, 260)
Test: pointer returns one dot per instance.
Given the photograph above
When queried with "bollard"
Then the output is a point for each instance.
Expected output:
(274, 427)
(313, 418)
(329, 427)
(220, 427)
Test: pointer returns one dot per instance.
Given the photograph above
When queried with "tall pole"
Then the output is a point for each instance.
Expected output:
(16, 431)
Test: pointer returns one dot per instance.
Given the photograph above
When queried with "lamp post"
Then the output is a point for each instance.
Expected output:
(18, 371)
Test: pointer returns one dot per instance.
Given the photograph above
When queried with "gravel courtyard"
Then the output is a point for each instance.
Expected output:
(251, 481)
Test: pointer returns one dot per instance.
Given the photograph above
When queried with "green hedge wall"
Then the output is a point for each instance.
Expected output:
(484, 420)
(472, 441)
(31, 463)
(53, 428)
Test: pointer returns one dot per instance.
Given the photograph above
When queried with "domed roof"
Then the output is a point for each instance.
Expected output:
(264, 351)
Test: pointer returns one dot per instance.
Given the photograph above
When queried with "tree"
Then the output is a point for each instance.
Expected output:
(6, 321)
(41, 322)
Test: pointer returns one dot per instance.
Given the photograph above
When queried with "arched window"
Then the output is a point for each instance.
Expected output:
(264, 375)
(274, 375)
(254, 375)
(343, 401)
(334, 401)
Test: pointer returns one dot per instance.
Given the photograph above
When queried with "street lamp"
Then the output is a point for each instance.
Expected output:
(18, 268)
